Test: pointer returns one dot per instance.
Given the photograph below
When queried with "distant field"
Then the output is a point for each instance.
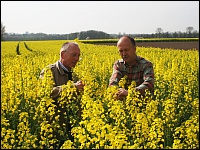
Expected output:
(173, 45)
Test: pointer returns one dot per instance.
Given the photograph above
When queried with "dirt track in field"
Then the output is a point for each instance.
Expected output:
(172, 45)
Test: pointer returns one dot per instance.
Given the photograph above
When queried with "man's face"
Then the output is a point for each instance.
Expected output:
(127, 50)
(71, 57)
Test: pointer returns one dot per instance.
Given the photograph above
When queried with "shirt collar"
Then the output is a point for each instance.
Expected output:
(64, 68)
(135, 63)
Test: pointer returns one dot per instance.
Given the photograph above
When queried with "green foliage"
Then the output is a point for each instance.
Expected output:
(27, 47)
(17, 49)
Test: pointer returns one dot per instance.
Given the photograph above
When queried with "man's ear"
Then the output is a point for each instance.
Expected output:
(62, 54)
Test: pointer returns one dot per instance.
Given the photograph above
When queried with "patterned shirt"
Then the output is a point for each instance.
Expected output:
(141, 72)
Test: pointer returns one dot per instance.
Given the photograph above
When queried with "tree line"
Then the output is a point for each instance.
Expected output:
(92, 34)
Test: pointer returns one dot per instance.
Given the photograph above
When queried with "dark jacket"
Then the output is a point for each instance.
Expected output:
(60, 78)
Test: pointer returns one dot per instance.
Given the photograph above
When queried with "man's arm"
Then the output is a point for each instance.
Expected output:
(148, 77)
(46, 73)
(116, 75)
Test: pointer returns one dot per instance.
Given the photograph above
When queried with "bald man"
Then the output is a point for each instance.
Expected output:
(135, 67)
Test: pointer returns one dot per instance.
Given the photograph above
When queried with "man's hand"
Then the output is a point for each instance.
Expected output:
(121, 93)
(79, 85)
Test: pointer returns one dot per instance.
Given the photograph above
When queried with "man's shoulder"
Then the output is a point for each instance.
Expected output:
(49, 67)
(143, 60)
(52, 65)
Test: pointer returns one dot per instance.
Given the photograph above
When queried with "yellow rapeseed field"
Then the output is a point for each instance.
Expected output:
(169, 120)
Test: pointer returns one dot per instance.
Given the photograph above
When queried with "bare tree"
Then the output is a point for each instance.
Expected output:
(159, 31)
(189, 30)
(3, 31)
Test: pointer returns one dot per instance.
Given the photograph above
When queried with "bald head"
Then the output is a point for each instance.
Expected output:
(127, 49)
(127, 39)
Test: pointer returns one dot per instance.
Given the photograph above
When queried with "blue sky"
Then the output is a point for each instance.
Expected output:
(130, 17)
